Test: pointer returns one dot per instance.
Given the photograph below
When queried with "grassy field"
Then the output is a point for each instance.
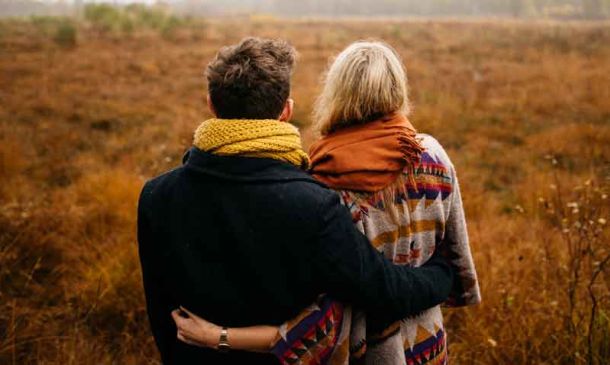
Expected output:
(90, 110)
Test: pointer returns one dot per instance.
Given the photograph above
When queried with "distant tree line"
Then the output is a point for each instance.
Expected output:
(567, 9)
(516, 8)
(513, 8)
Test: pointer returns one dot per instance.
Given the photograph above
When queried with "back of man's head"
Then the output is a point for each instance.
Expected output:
(251, 80)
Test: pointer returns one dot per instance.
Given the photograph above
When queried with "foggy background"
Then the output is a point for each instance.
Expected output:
(551, 9)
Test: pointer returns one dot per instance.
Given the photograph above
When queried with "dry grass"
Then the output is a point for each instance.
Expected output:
(524, 110)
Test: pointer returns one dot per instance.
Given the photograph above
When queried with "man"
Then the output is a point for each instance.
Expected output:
(242, 235)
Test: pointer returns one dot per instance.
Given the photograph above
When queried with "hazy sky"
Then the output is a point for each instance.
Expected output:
(562, 9)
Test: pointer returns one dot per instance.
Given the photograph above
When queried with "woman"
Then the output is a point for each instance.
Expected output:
(403, 193)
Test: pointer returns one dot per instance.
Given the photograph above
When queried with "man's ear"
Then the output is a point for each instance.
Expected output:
(288, 111)
(211, 106)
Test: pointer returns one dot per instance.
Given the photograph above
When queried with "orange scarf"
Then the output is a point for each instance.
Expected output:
(367, 157)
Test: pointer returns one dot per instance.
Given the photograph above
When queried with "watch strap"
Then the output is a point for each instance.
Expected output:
(223, 341)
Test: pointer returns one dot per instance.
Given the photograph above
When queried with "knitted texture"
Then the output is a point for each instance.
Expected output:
(261, 138)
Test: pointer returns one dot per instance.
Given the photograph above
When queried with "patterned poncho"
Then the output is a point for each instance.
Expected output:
(430, 216)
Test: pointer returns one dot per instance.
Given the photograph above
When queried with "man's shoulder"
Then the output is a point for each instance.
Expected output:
(296, 185)
(165, 179)
(297, 193)
(310, 187)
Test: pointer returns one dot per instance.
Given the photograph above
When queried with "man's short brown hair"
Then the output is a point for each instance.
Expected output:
(251, 80)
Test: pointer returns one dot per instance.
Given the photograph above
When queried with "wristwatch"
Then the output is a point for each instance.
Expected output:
(223, 342)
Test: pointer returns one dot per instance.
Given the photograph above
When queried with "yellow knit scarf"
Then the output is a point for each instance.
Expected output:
(262, 138)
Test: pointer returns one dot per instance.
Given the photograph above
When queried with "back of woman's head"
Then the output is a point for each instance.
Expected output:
(365, 82)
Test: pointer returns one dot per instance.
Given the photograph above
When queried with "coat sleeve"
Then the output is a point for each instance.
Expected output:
(456, 248)
(351, 270)
(158, 305)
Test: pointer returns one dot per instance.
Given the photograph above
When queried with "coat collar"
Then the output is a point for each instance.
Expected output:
(244, 169)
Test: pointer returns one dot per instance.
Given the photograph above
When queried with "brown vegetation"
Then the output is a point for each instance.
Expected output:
(87, 114)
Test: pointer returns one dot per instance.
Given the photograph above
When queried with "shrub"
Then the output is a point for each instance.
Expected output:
(103, 16)
(168, 27)
(43, 23)
(65, 34)
(108, 18)
(127, 25)
(148, 17)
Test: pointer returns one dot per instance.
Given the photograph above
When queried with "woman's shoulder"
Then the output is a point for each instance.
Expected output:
(434, 150)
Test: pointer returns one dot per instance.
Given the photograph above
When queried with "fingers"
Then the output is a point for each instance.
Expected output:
(192, 315)
(184, 327)
(183, 324)
(192, 329)
(201, 322)
(177, 317)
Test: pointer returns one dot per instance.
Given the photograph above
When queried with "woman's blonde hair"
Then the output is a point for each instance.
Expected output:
(366, 81)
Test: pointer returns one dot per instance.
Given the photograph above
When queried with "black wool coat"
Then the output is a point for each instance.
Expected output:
(246, 241)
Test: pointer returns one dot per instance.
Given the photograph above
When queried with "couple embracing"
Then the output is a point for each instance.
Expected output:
(255, 252)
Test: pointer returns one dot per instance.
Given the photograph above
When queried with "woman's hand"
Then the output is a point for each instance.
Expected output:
(195, 330)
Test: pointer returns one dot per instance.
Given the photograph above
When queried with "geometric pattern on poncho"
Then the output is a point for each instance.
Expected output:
(425, 224)
(312, 337)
